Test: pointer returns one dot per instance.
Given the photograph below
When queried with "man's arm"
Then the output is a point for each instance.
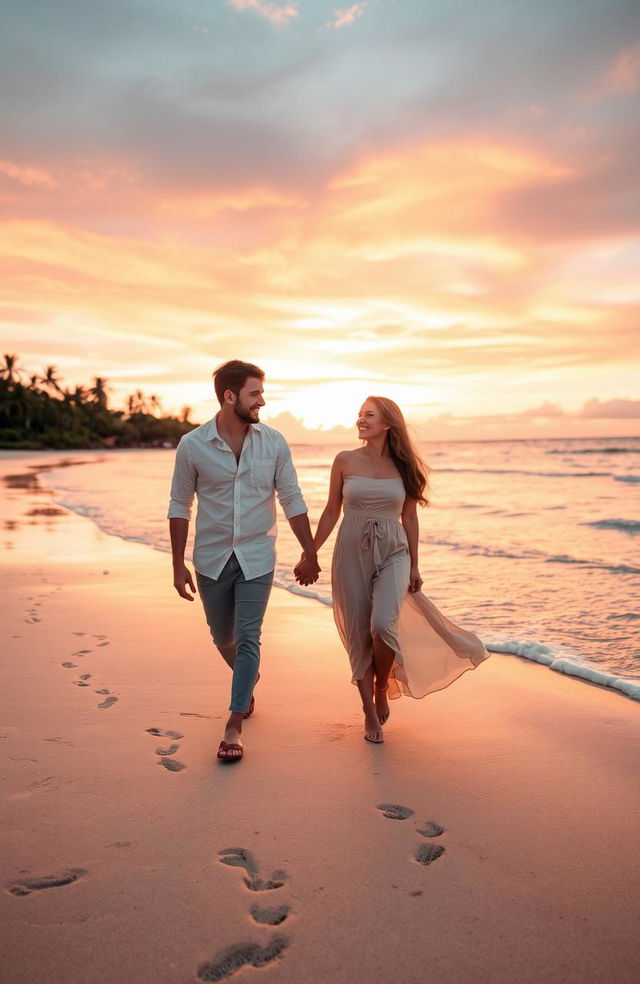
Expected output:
(179, 531)
(290, 497)
(183, 489)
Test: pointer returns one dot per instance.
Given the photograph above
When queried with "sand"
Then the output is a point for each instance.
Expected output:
(131, 855)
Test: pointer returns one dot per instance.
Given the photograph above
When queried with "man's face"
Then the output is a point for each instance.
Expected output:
(249, 400)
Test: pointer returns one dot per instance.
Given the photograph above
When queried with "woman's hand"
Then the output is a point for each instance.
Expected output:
(306, 571)
(415, 581)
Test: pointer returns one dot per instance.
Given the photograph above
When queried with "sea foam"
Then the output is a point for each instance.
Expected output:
(539, 653)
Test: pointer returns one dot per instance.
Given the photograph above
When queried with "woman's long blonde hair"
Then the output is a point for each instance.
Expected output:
(413, 471)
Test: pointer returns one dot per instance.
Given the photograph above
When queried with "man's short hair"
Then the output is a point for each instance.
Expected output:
(232, 376)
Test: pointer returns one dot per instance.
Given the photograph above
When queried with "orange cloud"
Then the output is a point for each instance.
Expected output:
(205, 206)
(623, 74)
(273, 12)
(27, 175)
(414, 196)
(345, 16)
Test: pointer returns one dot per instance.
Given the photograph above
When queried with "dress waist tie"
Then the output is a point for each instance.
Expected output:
(373, 533)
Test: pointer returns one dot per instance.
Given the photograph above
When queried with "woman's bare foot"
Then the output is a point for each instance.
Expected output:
(372, 728)
(382, 704)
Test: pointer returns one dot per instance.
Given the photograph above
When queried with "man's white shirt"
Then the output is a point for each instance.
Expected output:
(236, 500)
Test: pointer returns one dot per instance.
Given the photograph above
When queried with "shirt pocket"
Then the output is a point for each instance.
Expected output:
(263, 472)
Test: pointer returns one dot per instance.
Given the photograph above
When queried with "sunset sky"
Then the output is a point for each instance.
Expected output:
(433, 200)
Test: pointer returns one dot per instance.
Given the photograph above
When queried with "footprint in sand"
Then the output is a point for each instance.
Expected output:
(426, 853)
(394, 812)
(108, 702)
(29, 885)
(239, 857)
(159, 733)
(270, 917)
(69, 666)
(82, 652)
(102, 644)
(82, 680)
(228, 961)
(103, 691)
(172, 764)
(430, 829)
(171, 750)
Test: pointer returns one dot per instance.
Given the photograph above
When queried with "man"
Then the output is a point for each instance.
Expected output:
(235, 465)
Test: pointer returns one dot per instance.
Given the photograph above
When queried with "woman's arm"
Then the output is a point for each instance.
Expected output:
(328, 520)
(409, 519)
(333, 508)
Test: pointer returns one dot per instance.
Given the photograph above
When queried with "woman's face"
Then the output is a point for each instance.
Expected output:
(370, 423)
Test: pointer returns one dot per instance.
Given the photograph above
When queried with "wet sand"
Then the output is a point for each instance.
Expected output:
(493, 837)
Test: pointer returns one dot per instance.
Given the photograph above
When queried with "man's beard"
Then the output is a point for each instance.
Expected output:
(245, 415)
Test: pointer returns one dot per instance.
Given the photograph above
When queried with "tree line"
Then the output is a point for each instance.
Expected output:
(37, 411)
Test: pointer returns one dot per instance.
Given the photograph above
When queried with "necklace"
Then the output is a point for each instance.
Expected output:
(375, 468)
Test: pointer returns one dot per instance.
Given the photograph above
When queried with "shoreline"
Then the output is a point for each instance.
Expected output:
(117, 840)
(529, 651)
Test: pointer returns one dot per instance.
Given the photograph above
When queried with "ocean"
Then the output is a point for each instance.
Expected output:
(532, 544)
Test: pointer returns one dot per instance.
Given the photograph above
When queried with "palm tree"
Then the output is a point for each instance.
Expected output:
(99, 392)
(10, 370)
(79, 396)
(155, 403)
(51, 379)
(137, 403)
(185, 413)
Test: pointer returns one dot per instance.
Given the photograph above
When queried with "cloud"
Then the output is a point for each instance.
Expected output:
(275, 13)
(27, 175)
(623, 74)
(545, 410)
(611, 409)
(344, 16)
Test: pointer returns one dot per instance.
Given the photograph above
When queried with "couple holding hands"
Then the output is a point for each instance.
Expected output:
(397, 641)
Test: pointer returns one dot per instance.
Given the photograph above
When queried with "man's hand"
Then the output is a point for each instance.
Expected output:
(181, 579)
(306, 571)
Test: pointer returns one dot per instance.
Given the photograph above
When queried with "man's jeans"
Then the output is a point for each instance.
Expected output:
(234, 608)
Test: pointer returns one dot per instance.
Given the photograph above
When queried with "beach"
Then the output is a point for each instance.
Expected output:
(130, 859)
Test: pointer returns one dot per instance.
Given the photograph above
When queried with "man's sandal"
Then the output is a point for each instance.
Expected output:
(232, 746)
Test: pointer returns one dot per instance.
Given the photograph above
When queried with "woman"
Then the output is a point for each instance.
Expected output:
(375, 571)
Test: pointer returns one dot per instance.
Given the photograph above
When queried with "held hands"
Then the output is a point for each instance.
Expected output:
(415, 581)
(181, 579)
(306, 571)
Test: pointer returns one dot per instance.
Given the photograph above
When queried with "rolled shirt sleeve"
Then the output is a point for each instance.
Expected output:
(183, 485)
(286, 482)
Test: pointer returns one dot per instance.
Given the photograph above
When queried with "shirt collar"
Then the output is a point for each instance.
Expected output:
(214, 435)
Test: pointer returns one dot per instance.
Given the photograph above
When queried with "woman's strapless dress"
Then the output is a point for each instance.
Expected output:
(370, 579)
